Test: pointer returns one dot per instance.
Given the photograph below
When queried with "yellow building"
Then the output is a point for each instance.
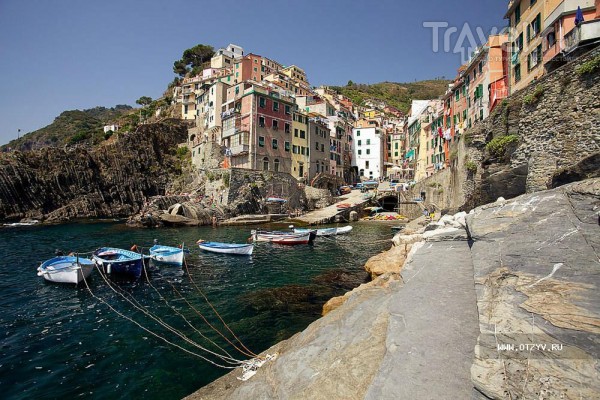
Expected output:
(526, 18)
(300, 147)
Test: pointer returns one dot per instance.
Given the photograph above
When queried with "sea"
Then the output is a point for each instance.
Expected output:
(175, 329)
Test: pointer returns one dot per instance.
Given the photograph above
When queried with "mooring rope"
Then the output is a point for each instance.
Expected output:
(250, 353)
(164, 324)
(151, 332)
(183, 316)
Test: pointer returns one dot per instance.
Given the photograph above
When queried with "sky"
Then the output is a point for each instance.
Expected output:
(75, 54)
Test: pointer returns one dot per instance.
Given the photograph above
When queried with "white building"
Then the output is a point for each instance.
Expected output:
(368, 152)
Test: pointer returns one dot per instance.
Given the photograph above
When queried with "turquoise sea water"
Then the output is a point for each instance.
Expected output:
(58, 341)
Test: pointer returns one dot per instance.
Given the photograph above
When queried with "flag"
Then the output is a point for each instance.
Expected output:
(579, 16)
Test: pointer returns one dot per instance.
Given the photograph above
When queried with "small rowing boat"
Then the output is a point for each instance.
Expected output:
(66, 269)
(288, 238)
(119, 261)
(167, 254)
(226, 248)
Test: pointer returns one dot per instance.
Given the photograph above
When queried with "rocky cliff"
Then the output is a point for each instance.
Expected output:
(521, 272)
(111, 180)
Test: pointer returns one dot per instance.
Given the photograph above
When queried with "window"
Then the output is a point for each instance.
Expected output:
(286, 146)
(534, 58)
(276, 165)
(359, 152)
(287, 128)
(551, 38)
(303, 150)
(261, 141)
(396, 146)
(368, 142)
(288, 110)
(261, 122)
(368, 151)
(481, 67)
(322, 148)
(316, 146)
(262, 102)
(357, 133)
(457, 95)
(275, 106)
(275, 124)
(295, 149)
(302, 134)
(464, 115)
(295, 132)
(517, 14)
(274, 144)
(517, 72)
(265, 164)
(367, 164)
(359, 142)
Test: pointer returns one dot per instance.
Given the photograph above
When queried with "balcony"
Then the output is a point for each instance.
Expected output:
(582, 34)
(239, 149)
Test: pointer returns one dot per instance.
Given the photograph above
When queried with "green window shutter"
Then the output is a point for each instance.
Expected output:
(528, 33)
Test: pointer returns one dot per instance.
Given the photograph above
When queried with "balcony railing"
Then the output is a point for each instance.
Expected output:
(239, 149)
(587, 31)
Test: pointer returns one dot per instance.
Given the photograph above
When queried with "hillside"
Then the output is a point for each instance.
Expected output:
(398, 95)
(71, 127)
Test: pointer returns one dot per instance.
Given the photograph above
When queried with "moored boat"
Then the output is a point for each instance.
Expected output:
(288, 238)
(119, 261)
(167, 254)
(66, 269)
(226, 248)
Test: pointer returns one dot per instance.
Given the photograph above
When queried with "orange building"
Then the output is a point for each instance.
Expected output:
(561, 37)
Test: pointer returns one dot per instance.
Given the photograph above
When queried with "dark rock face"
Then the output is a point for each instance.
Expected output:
(503, 182)
(113, 180)
(586, 168)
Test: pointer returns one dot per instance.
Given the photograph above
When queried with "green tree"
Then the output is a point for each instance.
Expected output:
(144, 101)
(192, 58)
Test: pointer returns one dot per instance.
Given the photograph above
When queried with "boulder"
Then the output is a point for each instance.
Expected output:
(390, 261)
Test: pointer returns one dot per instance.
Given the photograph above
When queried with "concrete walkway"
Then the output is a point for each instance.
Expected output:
(433, 328)
(325, 215)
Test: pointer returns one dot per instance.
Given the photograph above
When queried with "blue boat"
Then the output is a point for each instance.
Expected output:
(119, 261)
(167, 254)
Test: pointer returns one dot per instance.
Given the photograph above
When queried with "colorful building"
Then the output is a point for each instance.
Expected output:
(318, 139)
(525, 18)
(300, 146)
(257, 123)
(368, 151)
(561, 36)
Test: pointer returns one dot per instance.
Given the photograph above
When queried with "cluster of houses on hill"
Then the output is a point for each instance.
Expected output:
(259, 114)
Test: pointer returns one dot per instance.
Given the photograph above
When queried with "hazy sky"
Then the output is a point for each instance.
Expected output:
(58, 55)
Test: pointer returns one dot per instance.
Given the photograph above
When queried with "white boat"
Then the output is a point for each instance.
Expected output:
(66, 269)
(167, 254)
(226, 248)
(326, 231)
(288, 238)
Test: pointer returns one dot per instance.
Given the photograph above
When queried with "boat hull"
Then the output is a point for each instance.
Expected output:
(227, 248)
(66, 269)
(167, 255)
(119, 261)
(282, 238)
